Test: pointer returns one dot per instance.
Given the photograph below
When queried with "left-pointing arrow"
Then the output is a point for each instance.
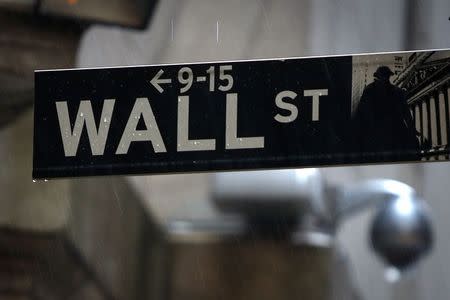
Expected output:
(156, 81)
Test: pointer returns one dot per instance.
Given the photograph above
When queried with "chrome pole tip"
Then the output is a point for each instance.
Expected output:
(402, 232)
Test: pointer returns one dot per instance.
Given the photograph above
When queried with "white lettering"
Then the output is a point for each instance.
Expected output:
(131, 134)
(231, 139)
(184, 143)
(286, 106)
(97, 138)
(315, 94)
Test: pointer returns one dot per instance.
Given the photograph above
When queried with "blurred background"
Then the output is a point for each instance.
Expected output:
(106, 238)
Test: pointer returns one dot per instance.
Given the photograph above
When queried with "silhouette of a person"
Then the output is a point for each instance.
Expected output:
(384, 122)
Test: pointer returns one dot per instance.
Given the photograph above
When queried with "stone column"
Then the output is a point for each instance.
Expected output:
(417, 118)
(448, 111)
(443, 119)
(425, 135)
(433, 122)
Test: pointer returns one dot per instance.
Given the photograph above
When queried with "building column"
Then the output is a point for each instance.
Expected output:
(418, 119)
(443, 119)
(424, 121)
(447, 100)
(433, 122)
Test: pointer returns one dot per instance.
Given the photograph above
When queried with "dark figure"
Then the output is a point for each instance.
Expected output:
(383, 121)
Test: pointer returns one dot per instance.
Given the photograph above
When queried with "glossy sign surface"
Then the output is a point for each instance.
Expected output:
(276, 113)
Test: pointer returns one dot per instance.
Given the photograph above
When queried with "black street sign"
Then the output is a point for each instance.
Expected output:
(299, 112)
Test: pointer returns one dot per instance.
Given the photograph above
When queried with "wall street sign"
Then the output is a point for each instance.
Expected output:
(298, 112)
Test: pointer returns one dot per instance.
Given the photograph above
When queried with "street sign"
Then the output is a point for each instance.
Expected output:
(277, 113)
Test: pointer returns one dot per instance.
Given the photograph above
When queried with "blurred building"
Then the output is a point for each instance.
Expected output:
(426, 80)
